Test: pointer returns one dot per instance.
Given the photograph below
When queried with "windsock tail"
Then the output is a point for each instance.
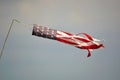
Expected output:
(89, 54)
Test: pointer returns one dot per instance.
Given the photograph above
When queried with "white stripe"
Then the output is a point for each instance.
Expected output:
(62, 33)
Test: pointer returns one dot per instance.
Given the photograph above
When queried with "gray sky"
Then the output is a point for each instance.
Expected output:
(27, 57)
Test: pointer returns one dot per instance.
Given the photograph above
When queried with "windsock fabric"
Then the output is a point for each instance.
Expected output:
(86, 42)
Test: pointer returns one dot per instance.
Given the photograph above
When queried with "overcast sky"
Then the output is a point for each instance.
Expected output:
(28, 57)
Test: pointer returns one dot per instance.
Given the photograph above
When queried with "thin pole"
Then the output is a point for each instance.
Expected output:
(6, 37)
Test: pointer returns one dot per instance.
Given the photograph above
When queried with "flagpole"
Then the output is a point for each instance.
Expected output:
(1, 53)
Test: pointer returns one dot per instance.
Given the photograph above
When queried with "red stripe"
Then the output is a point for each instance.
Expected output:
(67, 33)
(88, 36)
(82, 39)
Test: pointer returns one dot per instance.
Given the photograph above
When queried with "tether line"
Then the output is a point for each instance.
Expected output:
(1, 53)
